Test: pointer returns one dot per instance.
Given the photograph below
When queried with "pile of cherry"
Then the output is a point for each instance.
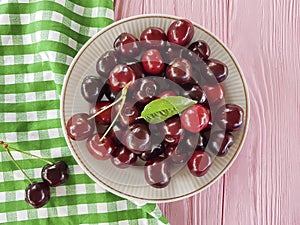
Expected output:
(139, 66)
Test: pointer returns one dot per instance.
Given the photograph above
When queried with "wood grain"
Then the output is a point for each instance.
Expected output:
(262, 186)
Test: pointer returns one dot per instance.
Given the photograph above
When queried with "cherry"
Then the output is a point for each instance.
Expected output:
(120, 76)
(153, 62)
(214, 93)
(111, 96)
(123, 158)
(220, 142)
(153, 37)
(179, 71)
(195, 141)
(101, 150)
(127, 45)
(199, 163)
(172, 130)
(128, 115)
(195, 118)
(176, 154)
(157, 173)
(106, 63)
(105, 116)
(172, 52)
(79, 127)
(195, 92)
(219, 69)
(91, 89)
(200, 48)
(180, 32)
(230, 117)
(145, 90)
(37, 194)
(137, 138)
(137, 67)
(55, 174)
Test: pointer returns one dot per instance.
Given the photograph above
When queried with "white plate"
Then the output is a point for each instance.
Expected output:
(115, 180)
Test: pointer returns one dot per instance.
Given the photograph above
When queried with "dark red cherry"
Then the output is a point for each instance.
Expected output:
(153, 62)
(79, 127)
(106, 63)
(230, 117)
(220, 142)
(157, 173)
(37, 194)
(195, 92)
(128, 115)
(145, 90)
(137, 67)
(214, 93)
(123, 158)
(179, 71)
(100, 150)
(91, 89)
(195, 118)
(55, 174)
(180, 32)
(111, 96)
(127, 45)
(153, 37)
(172, 130)
(105, 116)
(219, 69)
(176, 154)
(199, 163)
(200, 48)
(120, 76)
(137, 138)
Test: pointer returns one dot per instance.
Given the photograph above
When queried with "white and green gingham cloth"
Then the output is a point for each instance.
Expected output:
(38, 40)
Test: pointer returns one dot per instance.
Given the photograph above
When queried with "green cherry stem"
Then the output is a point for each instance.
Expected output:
(123, 98)
(15, 162)
(9, 148)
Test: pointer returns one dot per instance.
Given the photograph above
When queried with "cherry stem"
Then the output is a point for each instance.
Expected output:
(9, 148)
(123, 98)
(15, 162)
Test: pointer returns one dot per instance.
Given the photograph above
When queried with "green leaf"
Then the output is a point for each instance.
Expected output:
(161, 109)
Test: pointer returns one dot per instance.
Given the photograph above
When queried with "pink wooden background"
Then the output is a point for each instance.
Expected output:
(263, 185)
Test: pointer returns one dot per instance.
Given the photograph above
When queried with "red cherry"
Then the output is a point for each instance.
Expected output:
(123, 158)
(79, 127)
(153, 62)
(179, 71)
(180, 32)
(37, 194)
(219, 69)
(100, 150)
(230, 117)
(195, 118)
(127, 45)
(105, 63)
(120, 76)
(105, 116)
(214, 93)
(153, 37)
(220, 142)
(199, 163)
(200, 48)
(172, 130)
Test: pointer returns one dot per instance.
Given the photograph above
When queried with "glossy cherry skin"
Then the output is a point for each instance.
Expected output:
(157, 173)
(195, 92)
(145, 90)
(105, 116)
(137, 67)
(106, 63)
(195, 118)
(153, 62)
(230, 117)
(220, 142)
(123, 158)
(120, 76)
(172, 130)
(219, 69)
(199, 163)
(214, 93)
(180, 32)
(153, 37)
(37, 194)
(100, 150)
(128, 115)
(127, 45)
(137, 138)
(91, 89)
(79, 127)
(55, 174)
(200, 48)
(179, 71)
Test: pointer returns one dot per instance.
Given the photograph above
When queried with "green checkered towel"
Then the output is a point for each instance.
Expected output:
(38, 40)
